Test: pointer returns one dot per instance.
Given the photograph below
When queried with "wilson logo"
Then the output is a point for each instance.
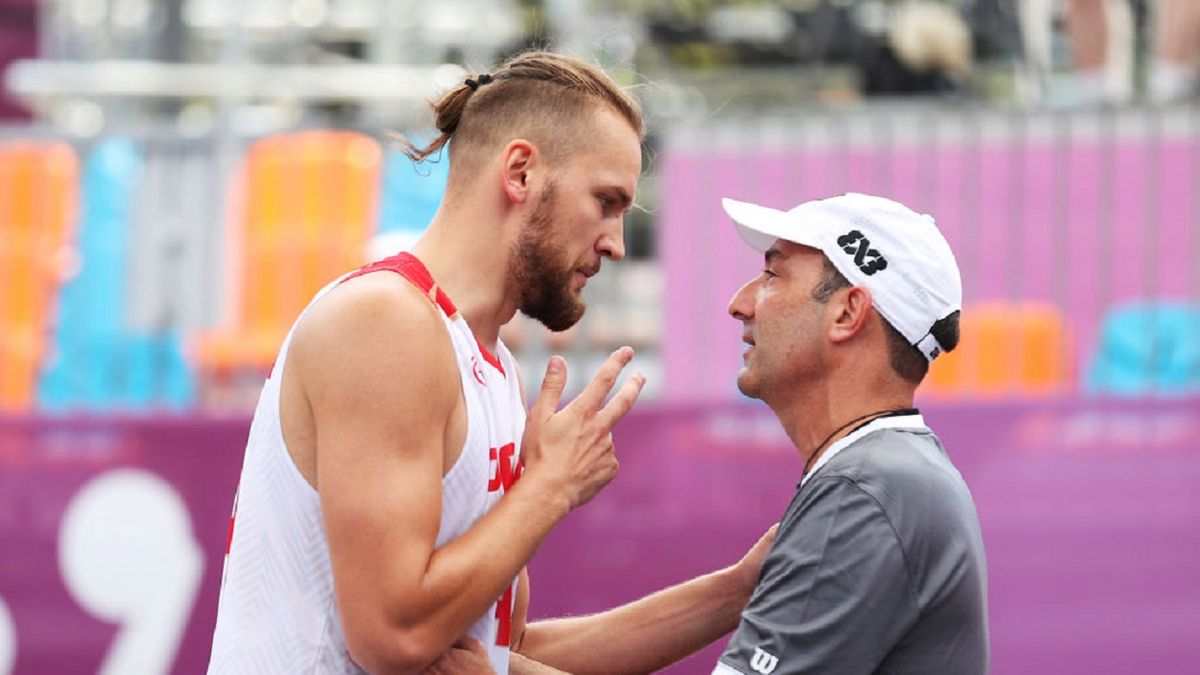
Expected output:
(762, 662)
(868, 259)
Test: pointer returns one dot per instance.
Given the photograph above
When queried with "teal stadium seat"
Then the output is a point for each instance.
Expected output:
(1148, 349)
(410, 197)
(98, 362)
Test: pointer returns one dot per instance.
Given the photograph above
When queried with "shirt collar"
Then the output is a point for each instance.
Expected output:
(916, 421)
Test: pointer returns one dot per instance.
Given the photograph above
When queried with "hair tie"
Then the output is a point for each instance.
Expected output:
(485, 78)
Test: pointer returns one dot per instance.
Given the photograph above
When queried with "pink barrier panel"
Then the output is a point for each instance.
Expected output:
(1082, 226)
(1090, 514)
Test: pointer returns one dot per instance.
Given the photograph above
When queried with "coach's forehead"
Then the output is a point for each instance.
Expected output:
(784, 250)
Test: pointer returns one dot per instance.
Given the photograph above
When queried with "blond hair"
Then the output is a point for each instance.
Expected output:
(539, 95)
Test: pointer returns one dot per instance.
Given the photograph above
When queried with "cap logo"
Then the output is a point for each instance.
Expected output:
(866, 258)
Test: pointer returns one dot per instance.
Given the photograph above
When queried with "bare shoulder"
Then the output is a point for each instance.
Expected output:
(374, 341)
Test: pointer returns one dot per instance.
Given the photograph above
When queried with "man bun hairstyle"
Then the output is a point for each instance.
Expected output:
(539, 95)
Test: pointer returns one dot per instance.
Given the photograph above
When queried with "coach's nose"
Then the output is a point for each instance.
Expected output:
(741, 306)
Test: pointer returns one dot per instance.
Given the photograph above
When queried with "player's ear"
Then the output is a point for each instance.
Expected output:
(517, 161)
(849, 308)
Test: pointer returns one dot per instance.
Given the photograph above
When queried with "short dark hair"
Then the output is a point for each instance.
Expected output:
(908, 361)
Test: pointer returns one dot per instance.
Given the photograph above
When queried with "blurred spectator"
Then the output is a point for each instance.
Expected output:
(1172, 74)
(927, 49)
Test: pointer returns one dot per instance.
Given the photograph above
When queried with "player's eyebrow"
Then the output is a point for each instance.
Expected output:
(622, 196)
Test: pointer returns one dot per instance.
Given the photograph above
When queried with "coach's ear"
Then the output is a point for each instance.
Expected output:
(848, 310)
(518, 159)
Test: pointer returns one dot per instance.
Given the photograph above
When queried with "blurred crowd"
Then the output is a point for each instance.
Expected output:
(721, 53)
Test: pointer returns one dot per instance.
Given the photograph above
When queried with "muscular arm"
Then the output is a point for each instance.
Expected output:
(653, 632)
(380, 376)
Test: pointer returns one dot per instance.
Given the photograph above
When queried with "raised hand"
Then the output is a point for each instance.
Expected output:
(572, 448)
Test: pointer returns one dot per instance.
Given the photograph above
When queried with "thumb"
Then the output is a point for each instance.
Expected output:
(553, 384)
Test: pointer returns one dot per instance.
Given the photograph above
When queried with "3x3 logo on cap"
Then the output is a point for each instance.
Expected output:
(867, 259)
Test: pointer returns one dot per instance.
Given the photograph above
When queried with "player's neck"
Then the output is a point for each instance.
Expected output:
(467, 256)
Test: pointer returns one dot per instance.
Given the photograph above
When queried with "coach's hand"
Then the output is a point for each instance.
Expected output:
(466, 657)
(748, 568)
(572, 449)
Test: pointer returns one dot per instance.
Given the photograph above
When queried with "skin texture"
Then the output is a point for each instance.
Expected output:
(816, 365)
(789, 325)
(465, 656)
(648, 634)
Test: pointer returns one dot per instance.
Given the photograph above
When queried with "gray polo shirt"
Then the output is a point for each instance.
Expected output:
(878, 566)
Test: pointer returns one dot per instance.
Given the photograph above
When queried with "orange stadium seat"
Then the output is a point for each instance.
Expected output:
(306, 214)
(1019, 349)
(39, 185)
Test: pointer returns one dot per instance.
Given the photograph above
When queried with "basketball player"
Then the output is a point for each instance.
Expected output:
(393, 488)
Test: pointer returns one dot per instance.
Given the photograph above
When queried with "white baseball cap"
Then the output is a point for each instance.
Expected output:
(896, 253)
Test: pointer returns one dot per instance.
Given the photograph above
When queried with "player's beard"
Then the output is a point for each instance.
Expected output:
(543, 284)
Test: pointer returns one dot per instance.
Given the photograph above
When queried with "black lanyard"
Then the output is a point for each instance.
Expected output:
(865, 420)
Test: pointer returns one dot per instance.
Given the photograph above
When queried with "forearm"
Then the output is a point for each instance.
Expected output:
(468, 574)
(522, 665)
(645, 635)
(415, 607)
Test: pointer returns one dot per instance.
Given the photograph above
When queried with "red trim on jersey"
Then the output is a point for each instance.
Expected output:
(491, 358)
(408, 266)
(229, 541)
(232, 519)
(504, 610)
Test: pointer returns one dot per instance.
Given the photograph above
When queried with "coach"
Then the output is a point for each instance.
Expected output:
(878, 565)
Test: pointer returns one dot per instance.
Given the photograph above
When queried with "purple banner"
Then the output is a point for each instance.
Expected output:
(113, 532)
(112, 541)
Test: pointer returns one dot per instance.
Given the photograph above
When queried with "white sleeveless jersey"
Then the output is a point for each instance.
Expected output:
(277, 611)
